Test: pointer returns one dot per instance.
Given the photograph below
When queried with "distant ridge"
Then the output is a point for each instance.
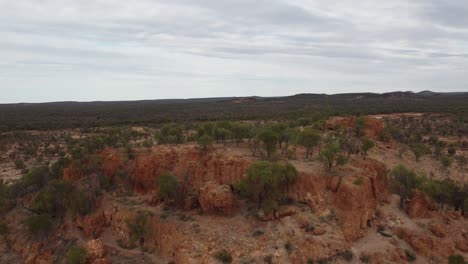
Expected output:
(60, 115)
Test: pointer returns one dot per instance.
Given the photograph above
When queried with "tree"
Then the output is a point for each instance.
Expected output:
(220, 134)
(171, 133)
(419, 149)
(267, 182)
(239, 131)
(366, 144)
(404, 181)
(205, 142)
(359, 126)
(308, 138)
(446, 162)
(167, 187)
(269, 140)
(328, 154)
(39, 223)
(138, 228)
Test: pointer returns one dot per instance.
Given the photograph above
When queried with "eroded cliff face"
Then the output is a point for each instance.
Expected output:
(359, 195)
(188, 164)
(188, 237)
(372, 128)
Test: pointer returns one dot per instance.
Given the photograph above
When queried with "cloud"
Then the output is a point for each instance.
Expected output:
(112, 49)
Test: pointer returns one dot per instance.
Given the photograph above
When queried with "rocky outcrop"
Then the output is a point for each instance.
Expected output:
(93, 224)
(217, 199)
(420, 206)
(309, 188)
(189, 165)
(356, 204)
(437, 230)
(372, 128)
(426, 245)
(96, 252)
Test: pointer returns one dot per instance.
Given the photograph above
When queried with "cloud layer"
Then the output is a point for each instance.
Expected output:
(124, 50)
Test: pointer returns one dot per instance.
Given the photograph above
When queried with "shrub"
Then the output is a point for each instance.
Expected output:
(38, 223)
(167, 187)
(19, 164)
(205, 142)
(223, 256)
(410, 255)
(347, 255)
(456, 259)
(76, 255)
(366, 144)
(138, 228)
(359, 180)
(3, 229)
(288, 246)
(267, 182)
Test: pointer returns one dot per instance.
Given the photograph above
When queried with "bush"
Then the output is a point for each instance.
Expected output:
(3, 229)
(456, 259)
(410, 255)
(38, 223)
(138, 228)
(359, 180)
(347, 255)
(288, 246)
(266, 183)
(205, 142)
(76, 255)
(19, 164)
(167, 187)
(223, 256)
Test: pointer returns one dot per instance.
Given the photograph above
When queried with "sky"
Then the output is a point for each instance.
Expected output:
(87, 50)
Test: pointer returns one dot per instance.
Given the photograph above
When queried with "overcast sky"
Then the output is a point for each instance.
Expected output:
(55, 50)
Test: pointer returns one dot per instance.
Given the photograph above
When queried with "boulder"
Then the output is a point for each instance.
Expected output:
(217, 199)
(95, 249)
(420, 206)
(426, 245)
(437, 230)
(93, 224)
(462, 245)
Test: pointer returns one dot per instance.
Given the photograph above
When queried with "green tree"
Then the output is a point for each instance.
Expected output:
(167, 187)
(419, 149)
(404, 181)
(329, 154)
(205, 142)
(359, 126)
(269, 140)
(39, 223)
(171, 133)
(76, 255)
(138, 228)
(366, 144)
(267, 182)
(239, 131)
(308, 138)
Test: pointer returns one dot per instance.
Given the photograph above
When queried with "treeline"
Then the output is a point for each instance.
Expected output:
(77, 115)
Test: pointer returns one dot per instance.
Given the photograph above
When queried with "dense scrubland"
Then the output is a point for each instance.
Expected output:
(270, 180)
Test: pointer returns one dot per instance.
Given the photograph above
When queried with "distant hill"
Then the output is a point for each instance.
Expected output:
(58, 115)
